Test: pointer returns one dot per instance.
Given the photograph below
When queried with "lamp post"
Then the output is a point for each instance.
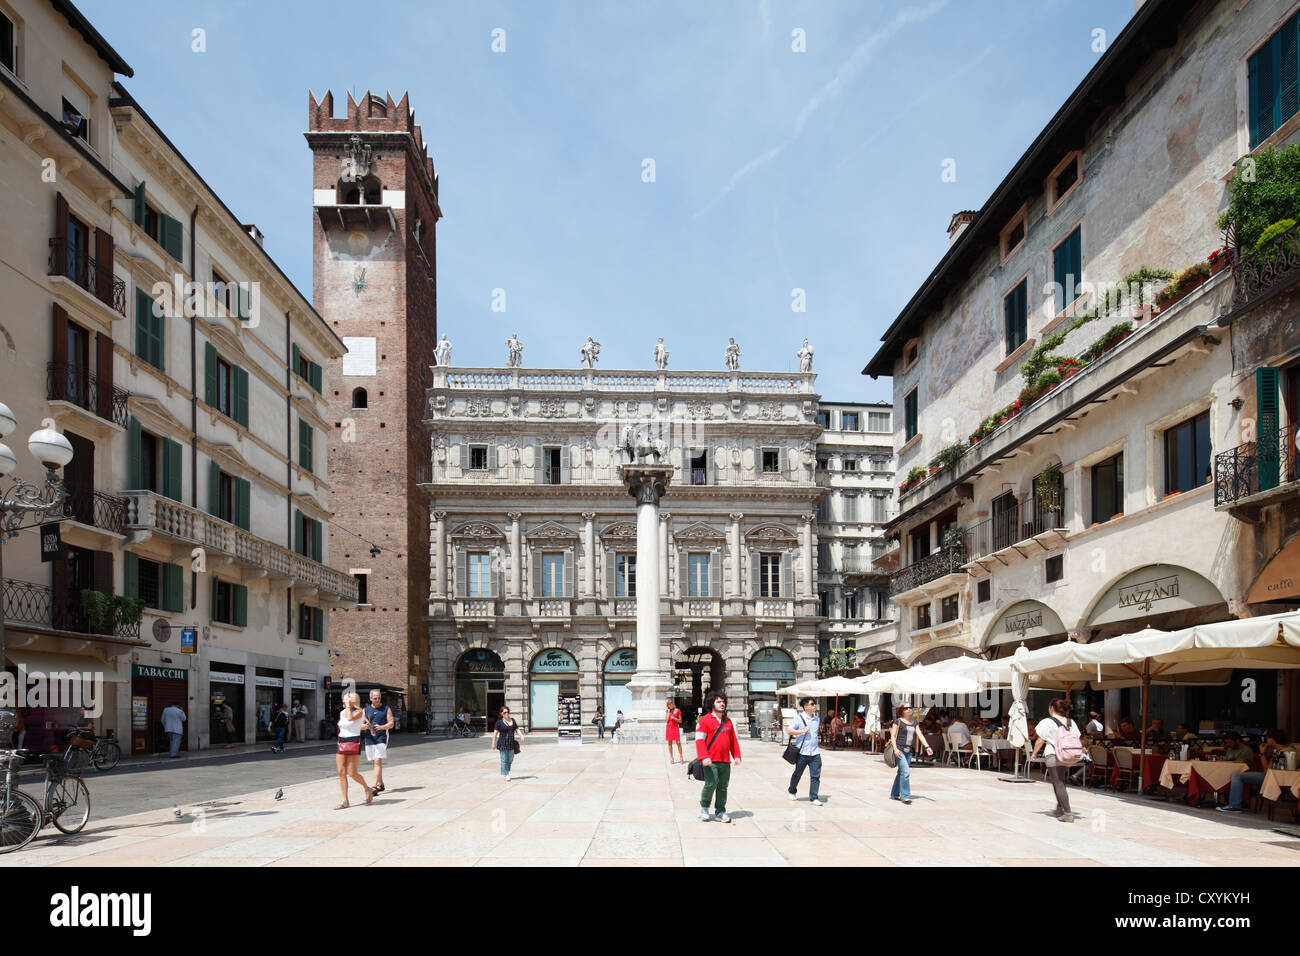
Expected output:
(26, 504)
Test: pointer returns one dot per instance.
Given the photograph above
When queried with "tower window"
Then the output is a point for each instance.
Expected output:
(359, 398)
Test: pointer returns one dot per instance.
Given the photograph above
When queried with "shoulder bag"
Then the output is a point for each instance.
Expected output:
(791, 754)
(696, 767)
(891, 758)
(514, 736)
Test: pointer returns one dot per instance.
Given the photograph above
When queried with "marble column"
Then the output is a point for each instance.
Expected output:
(589, 545)
(734, 533)
(439, 569)
(663, 553)
(516, 557)
(809, 584)
(650, 684)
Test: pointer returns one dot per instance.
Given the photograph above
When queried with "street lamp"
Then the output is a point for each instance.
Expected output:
(26, 501)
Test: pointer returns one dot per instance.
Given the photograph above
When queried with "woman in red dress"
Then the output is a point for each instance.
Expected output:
(673, 733)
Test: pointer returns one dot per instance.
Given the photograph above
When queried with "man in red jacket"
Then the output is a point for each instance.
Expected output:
(716, 756)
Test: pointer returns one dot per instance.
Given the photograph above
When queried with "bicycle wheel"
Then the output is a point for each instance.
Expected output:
(20, 819)
(107, 755)
(69, 804)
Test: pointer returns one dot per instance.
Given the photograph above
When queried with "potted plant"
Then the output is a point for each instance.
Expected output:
(950, 456)
(1029, 394)
(1047, 381)
(1219, 259)
(1049, 488)
(1190, 278)
(98, 608)
(913, 476)
(1267, 250)
(1013, 409)
(1068, 368)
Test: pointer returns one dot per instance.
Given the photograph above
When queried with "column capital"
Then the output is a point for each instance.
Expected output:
(514, 515)
(665, 515)
(808, 518)
(589, 516)
(736, 516)
(439, 515)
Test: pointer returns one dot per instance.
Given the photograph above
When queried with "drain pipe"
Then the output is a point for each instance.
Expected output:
(194, 402)
(288, 446)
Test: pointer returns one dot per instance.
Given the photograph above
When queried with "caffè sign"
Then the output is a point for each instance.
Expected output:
(1154, 589)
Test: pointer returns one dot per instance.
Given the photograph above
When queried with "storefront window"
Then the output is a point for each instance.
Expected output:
(480, 687)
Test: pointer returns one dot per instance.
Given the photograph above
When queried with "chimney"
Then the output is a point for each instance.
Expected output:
(959, 223)
(253, 231)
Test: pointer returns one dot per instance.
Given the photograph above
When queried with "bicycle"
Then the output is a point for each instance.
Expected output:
(104, 753)
(67, 799)
(455, 728)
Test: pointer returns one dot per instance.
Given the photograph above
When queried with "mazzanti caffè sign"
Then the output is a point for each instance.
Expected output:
(1025, 621)
(1155, 589)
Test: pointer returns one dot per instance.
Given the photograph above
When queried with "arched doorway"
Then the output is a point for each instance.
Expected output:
(697, 672)
(619, 668)
(480, 687)
(552, 673)
(769, 669)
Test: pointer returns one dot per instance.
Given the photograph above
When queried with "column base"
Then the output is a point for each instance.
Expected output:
(644, 721)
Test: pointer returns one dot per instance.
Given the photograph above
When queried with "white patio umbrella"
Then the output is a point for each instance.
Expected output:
(919, 681)
(796, 690)
(873, 708)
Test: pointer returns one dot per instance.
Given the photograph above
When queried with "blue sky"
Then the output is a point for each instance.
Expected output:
(774, 170)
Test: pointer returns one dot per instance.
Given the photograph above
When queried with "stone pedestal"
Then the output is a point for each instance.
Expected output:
(651, 684)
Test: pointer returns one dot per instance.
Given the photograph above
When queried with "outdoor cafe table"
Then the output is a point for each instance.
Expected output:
(1151, 766)
(1201, 776)
(1275, 781)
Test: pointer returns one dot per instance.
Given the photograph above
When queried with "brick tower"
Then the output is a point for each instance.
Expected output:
(375, 199)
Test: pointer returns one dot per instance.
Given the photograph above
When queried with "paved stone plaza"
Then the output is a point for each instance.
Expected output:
(602, 804)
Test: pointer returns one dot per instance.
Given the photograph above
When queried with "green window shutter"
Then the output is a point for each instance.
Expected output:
(134, 454)
(214, 489)
(304, 444)
(170, 236)
(295, 353)
(173, 587)
(1288, 61)
(172, 469)
(297, 531)
(130, 575)
(215, 606)
(137, 205)
(314, 377)
(210, 386)
(143, 326)
(241, 396)
(1269, 443)
(242, 304)
(241, 605)
(318, 625)
(316, 536)
(243, 503)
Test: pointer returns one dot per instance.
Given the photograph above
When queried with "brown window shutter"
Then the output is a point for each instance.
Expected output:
(103, 571)
(60, 333)
(104, 266)
(59, 587)
(60, 257)
(104, 377)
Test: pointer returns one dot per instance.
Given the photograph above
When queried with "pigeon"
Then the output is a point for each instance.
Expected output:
(279, 794)
(176, 812)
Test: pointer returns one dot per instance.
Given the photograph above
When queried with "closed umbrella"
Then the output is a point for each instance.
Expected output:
(1018, 719)
(873, 711)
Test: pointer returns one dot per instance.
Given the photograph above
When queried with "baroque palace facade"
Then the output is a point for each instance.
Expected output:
(533, 538)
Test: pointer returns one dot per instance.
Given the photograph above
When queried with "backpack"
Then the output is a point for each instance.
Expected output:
(1068, 745)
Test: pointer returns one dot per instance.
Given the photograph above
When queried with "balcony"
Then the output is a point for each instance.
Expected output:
(97, 278)
(948, 560)
(96, 509)
(151, 512)
(34, 605)
(79, 386)
(1257, 472)
(1012, 535)
(1268, 269)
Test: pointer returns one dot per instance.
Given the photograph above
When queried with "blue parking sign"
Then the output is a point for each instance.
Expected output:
(188, 642)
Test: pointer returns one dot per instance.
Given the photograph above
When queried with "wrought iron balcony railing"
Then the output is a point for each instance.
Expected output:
(1256, 466)
(35, 605)
(97, 278)
(70, 382)
(947, 560)
(98, 509)
(1260, 271)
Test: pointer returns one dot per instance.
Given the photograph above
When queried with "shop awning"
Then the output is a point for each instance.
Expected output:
(1024, 621)
(47, 662)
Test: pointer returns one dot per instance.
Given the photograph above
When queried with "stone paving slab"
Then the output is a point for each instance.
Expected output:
(625, 805)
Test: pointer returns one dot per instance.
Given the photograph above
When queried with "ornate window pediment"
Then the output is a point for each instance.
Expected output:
(620, 529)
(698, 531)
(771, 533)
(551, 530)
(480, 530)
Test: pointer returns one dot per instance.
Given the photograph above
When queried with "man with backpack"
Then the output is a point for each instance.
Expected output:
(1064, 743)
(715, 746)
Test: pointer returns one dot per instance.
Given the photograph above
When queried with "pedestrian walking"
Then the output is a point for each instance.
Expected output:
(805, 726)
(279, 725)
(903, 736)
(673, 731)
(505, 739)
(351, 717)
(173, 719)
(379, 721)
(1060, 735)
(599, 721)
(618, 725)
(224, 724)
(299, 715)
(715, 746)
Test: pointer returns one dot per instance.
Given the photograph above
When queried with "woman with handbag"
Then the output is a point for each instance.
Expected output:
(505, 740)
(351, 719)
(904, 733)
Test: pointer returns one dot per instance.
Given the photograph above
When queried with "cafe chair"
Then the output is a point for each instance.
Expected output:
(1030, 760)
(954, 752)
(1127, 772)
(1100, 766)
